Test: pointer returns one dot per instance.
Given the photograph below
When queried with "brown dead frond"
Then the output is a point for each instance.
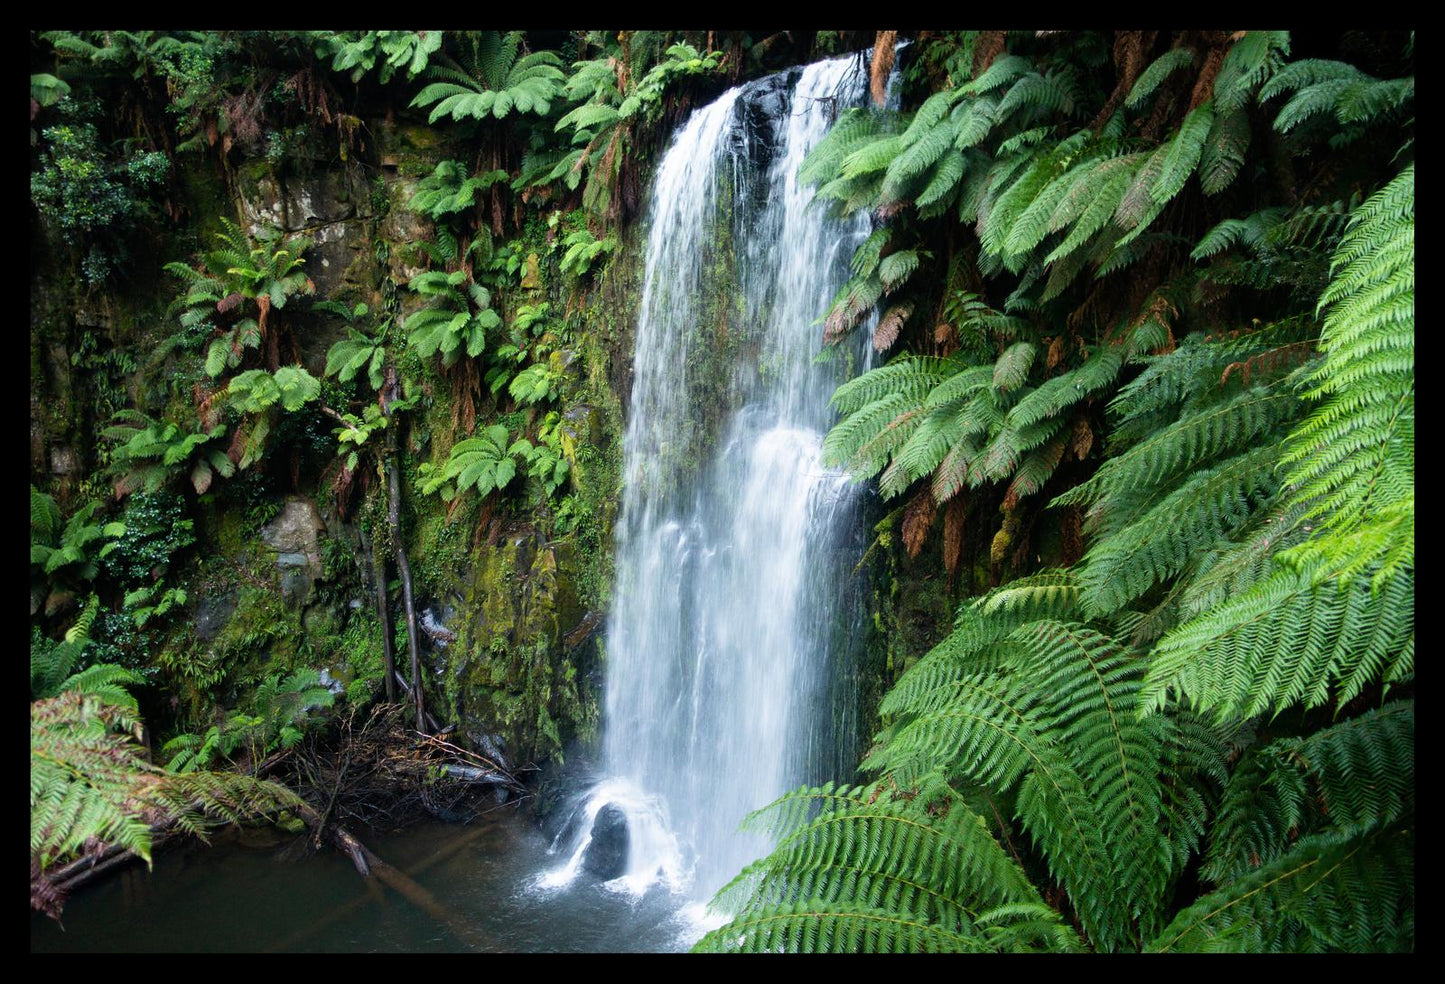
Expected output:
(953, 520)
(1129, 49)
(207, 405)
(883, 44)
(1081, 440)
(886, 332)
(1275, 358)
(988, 47)
(917, 518)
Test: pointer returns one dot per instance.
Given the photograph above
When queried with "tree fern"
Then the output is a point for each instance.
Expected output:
(1355, 776)
(1353, 459)
(457, 320)
(484, 461)
(1288, 641)
(1159, 69)
(875, 871)
(1329, 892)
(498, 83)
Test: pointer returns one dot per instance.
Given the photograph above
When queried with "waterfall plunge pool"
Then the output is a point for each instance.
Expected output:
(259, 892)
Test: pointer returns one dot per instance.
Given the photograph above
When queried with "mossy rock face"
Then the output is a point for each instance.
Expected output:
(510, 677)
(404, 143)
(261, 198)
(293, 536)
(402, 229)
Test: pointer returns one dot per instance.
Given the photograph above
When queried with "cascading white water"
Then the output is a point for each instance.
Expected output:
(736, 545)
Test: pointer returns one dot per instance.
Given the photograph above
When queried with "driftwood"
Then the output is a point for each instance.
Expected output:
(474, 766)
(391, 877)
(377, 760)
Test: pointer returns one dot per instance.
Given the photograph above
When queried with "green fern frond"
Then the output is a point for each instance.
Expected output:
(1229, 425)
(1288, 641)
(1354, 776)
(924, 869)
(1184, 153)
(1054, 396)
(908, 376)
(1354, 456)
(1224, 151)
(915, 156)
(1248, 64)
(1208, 506)
(1012, 367)
(44, 515)
(973, 120)
(1329, 892)
(996, 727)
(1036, 96)
(1113, 178)
(1159, 69)
(842, 927)
(941, 181)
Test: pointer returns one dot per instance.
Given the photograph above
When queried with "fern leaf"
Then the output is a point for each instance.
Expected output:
(1354, 457)
(1159, 70)
(1288, 641)
(1329, 892)
(1184, 153)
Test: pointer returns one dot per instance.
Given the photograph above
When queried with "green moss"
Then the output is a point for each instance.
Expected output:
(208, 200)
(509, 673)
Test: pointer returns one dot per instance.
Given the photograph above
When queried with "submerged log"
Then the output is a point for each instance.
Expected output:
(408, 889)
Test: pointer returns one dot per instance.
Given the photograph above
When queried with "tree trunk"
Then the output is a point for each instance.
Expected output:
(378, 564)
(393, 517)
(393, 521)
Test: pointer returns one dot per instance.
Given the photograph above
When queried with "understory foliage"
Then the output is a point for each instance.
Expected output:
(188, 424)
(1174, 300)
(91, 785)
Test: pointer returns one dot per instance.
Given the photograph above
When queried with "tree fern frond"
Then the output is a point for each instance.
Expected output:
(1057, 394)
(1184, 153)
(1229, 425)
(1287, 641)
(1330, 891)
(842, 927)
(1251, 61)
(1357, 776)
(1208, 506)
(1224, 151)
(1113, 179)
(1039, 95)
(942, 179)
(1354, 456)
(1159, 70)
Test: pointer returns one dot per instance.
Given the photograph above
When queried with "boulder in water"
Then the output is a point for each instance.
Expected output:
(606, 855)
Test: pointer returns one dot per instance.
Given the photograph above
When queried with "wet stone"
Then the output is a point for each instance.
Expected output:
(213, 613)
(606, 855)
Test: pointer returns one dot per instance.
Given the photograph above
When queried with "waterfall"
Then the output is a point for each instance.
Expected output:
(736, 546)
